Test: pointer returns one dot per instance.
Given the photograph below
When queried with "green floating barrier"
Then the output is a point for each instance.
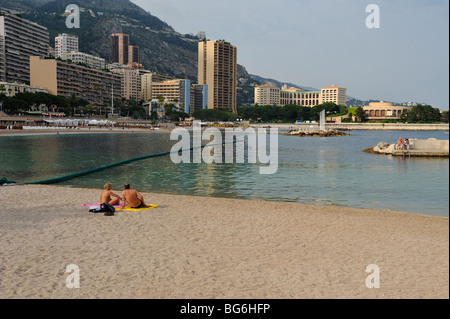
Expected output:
(4, 180)
(101, 168)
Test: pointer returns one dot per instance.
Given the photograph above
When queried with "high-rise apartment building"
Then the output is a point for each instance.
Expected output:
(19, 39)
(131, 83)
(120, 43)
(65, 43)
(133, 54)
(199, 97)
(64, 79)
(217, 68)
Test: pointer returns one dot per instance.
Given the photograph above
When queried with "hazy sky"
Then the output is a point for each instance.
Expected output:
(317, 43)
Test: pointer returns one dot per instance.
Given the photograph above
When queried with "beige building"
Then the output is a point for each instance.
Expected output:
(267, 94)
(272, 95)
(384, 110)
(175, 91)
(11, 89)
(19, 39)
(146, 83)
(217, 68)
(334, 94)
(64, 79)
(88, 59)
(131, 83)
(299, 97)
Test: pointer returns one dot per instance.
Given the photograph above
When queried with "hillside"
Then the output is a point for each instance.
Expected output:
(280, 84)
(162, 49)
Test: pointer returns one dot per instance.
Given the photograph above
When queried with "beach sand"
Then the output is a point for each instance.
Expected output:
(195, 247)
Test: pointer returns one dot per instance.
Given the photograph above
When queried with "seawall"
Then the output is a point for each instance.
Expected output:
(360, 126)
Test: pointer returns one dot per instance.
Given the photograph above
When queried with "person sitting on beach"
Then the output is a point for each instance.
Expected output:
(132, 198)
(399, 143)
(106, 194)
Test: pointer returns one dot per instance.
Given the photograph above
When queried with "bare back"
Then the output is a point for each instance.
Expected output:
(132, 197)
(106, 196)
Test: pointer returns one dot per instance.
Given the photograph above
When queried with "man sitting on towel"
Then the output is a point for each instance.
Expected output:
(105, 197)
(132, 198)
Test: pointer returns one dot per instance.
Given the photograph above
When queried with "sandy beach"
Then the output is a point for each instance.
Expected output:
(195, 247)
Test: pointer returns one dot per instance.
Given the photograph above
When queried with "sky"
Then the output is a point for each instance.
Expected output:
(316, 43)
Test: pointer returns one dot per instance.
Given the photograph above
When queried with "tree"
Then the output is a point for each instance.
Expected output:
(424, 113)
(444, 116)
(13, 105)
(360, 115)
(404, 116)
(215, 115)
(174, 113)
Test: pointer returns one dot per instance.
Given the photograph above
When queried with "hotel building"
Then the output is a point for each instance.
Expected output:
(174, 91)
(334, 94)
(146, 83)
(64, 79)
(217, 68)
(300, 97)
(267, 94)
(19, 39)
(272, 95)
(65, 43)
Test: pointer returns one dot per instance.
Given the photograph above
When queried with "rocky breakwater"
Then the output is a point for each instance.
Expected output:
(328, 133)
(421, 148)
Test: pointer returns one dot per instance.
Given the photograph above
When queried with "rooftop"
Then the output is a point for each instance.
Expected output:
(333, 87)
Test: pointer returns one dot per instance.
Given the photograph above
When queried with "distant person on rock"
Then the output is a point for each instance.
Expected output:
(406, 144)
(399, 143)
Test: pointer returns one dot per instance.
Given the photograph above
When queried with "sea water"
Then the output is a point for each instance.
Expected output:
(311, 170)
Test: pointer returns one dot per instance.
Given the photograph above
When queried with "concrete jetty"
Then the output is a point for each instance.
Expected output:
(424, 148)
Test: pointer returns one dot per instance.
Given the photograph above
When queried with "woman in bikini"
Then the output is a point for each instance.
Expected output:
(106, 194)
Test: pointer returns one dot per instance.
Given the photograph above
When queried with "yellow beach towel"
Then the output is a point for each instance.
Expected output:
(137, 209)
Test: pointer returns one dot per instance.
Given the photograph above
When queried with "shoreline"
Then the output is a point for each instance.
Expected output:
(80, 131)
(197, 247)
(282, 127)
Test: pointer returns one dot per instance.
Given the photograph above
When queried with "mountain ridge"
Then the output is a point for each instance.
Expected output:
(163, 50)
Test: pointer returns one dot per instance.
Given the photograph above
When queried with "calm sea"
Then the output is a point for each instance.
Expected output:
(312, 170)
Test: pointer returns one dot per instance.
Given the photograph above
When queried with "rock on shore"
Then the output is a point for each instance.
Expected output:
(328, 133)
